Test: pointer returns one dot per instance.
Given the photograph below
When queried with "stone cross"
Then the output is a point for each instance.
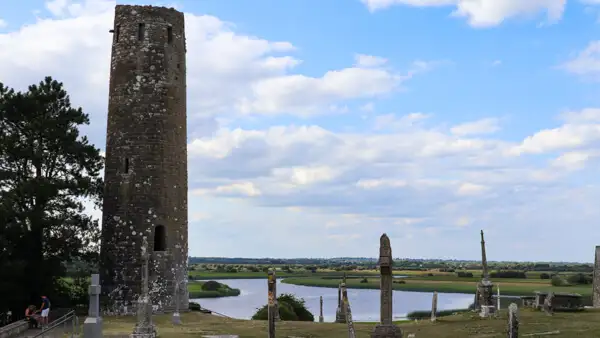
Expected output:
(321, 310)
(596, 279)
(275, 293)
(144, 327)
(176, 318)
(347, 312)
(513, 321)
(485, 287)
(434, 306)
(271, 305)
(386, 327)
(92, 327)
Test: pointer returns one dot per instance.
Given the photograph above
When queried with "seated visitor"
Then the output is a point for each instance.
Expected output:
(31, 317)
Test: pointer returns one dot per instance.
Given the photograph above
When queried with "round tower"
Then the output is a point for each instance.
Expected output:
(145, 194)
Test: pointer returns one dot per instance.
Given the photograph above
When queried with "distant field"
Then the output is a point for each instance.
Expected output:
(507, 286)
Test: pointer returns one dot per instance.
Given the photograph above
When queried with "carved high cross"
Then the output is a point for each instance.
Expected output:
(484, 258)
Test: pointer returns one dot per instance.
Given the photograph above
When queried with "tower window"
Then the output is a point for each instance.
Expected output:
(160, 238)
(169, 34)
(117, 32)
(141, 31)
(126, 166)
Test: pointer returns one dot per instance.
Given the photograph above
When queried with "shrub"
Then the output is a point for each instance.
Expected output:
(508, 274)
(290, 308)
(544, 275)
(464, 274)
(399, 281)
(364, 280)
(579, 278)
(558, 281)
(211, 285)
(193, 306)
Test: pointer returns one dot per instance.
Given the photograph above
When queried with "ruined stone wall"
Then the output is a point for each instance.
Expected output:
(146, 156)
(596, 279)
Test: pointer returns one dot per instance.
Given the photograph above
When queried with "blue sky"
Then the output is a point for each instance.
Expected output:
(314, 129)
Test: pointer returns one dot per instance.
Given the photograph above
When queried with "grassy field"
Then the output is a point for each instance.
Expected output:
(570, 325)
(513, 287)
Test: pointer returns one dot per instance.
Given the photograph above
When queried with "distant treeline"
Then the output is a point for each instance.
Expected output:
(342, 264)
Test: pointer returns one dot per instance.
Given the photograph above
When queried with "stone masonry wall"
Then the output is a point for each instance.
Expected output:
(146, 156)
(596, 279)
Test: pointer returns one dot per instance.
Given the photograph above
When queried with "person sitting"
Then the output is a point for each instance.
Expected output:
(31, 317)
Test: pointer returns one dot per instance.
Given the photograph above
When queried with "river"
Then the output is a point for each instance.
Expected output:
(364, 303)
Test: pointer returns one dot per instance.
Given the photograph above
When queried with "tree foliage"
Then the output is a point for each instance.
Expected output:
(47, 171)
(290, 308)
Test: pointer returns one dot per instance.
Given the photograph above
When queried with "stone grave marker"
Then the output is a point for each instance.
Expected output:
(596, 279)
(144, 327)
(271, 305)
(92, 326)
(321, 310)
(513, 321)
(434, 300)
(348, 312)
(386, 328)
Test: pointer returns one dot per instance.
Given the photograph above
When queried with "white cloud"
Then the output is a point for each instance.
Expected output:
(363, 60)
(482, 13)
(3, 23)
(483, 126)
(586, 62)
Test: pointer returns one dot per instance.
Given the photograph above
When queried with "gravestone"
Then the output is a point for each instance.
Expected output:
(348, 312)
(276, 311)
(144, 327)
(321, 310)
(434, 306)
(513, 321)
(485, 287)
(271, 305)
(92, 326)
(498, 297)
(548, 308)
(176, 318)
(386, 328)
(339, 312)
(596, 279)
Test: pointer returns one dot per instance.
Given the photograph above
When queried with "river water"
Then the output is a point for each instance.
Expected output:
(364, 303)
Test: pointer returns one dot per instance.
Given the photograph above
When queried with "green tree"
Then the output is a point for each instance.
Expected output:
(47, 170)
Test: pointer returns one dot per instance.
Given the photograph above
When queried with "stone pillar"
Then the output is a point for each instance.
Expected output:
(347, 312)
(144, 327)
(276, 311)
(92, 327)
(434, 306)
(513, 321)
(596, 283)
(386, 328)
(321, 310)
(176, 318)
(339, 312)
(485, 288)
(498, 297)
(271, 305)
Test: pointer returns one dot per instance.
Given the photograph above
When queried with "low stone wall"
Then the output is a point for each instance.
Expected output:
(561, 301)
(14, 329)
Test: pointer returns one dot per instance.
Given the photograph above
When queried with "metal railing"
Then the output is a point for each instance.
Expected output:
(70, 316)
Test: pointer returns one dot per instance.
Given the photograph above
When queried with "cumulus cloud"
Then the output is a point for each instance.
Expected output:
(255, 186)
(586, 62)
(482, 13)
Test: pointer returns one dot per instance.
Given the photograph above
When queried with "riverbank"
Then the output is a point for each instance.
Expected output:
(199, 290)
(570, 325)
(507, 287)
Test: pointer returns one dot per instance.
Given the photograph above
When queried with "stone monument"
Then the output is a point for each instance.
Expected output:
(146, 171)
(498, 297)
(485, 288)
(386, 328)
(596, 281)
(179, 282)
(434, 306)
(548, 307)
(339, 312)
(347, 312)
(92, 327)
(321, 310)
(144, 327)
(272, 304)
(513, 321)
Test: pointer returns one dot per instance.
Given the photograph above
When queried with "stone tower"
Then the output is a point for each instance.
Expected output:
(145, 194)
